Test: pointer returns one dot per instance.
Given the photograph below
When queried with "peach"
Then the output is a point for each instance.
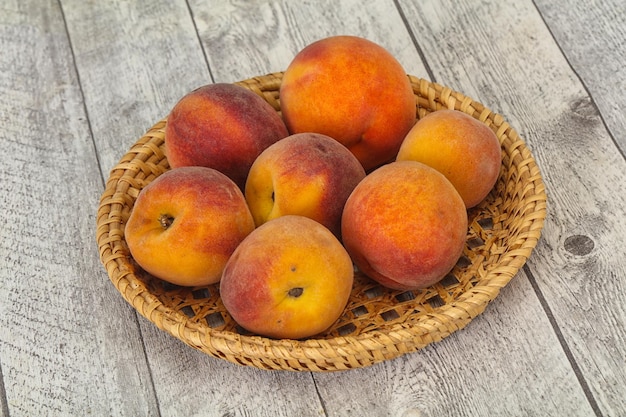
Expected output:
(185, 225)
(405, 225)
(221, 126)
(289, 279)
(352, 90)
(459, 146)
(307, 174)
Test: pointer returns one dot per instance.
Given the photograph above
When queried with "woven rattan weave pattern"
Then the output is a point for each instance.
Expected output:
(378, 324)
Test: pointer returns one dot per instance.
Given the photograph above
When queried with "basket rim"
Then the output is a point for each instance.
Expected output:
(287, 354)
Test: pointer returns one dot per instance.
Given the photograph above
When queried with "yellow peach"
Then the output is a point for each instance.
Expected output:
(290, 279)
(405, 225)
(307, 174)
(459, 146)
(221, 126)
(186, 223)
(352, 90)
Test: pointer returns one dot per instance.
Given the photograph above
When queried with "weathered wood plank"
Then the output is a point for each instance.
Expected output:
(504, 55)
(68, 345)
(243, 39)
(376, 390)
(135, 59)
(592, 37)
(84, 355)
(150, 75)
(191, 384)
(4, 406)
(499, 365)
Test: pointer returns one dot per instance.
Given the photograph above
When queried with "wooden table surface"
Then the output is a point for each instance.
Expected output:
(81, 81)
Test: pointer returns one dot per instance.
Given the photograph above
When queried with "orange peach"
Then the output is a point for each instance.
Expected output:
(185, 225)
(405, 225)
(459, 146)
(352, 90)
(307, 174)
(290, 279)
(221, 126)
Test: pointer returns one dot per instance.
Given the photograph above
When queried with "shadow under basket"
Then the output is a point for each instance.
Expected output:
(378, 324)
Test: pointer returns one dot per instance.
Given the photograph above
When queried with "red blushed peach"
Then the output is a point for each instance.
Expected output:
(352, 90)
(185, 225)
(221, 126)
(405, 225)
(307, 174)
(290, 279)
(459, 146)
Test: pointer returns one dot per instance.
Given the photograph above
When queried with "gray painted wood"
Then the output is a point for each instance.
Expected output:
(592, 37)
(186, 382)
(578, 267)
(135, 59)
(68, 344)
(504, 363)
(82, 81)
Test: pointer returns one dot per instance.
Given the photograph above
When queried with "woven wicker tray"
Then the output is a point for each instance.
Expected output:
(378, 324)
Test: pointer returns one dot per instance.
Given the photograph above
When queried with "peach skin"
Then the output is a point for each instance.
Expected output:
(405, 225)
(185, 225)
(221, 126)
(289, 279)
(352, 90)
(307, 174)
(462, 148)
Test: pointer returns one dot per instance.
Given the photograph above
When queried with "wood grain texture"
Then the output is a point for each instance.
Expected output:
(81, 81)
(186, 382)
(582, 168)
(313, 21)
(243, 39)
(68, 346)
(592, 36)
(4, 406)
(135, 60)
(487, 369)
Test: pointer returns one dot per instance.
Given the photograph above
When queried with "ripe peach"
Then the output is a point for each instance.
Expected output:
(352, 90)
(459, 146)
(290, 279)
(405, 225)
(221, 126)
(185, 225)
(308, 174)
